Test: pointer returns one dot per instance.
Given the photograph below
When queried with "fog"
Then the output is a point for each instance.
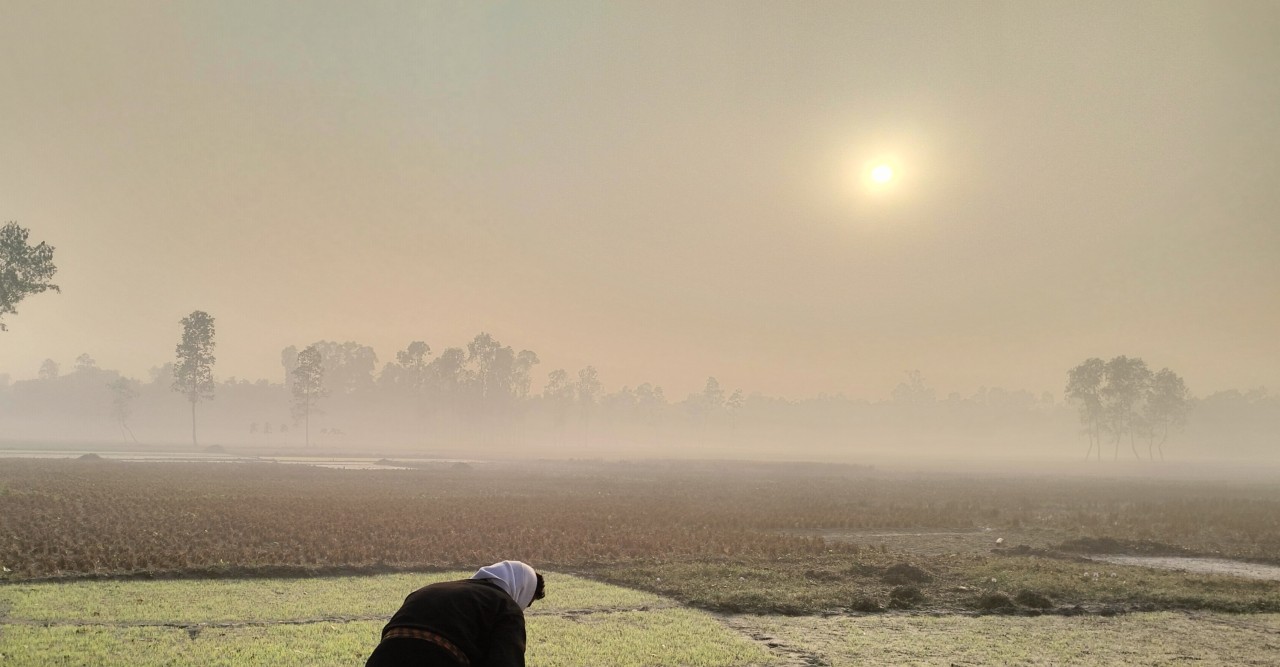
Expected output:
(690, 197)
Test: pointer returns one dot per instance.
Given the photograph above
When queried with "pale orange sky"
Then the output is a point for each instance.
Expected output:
(667, 190)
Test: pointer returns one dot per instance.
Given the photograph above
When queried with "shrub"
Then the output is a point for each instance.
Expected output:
(995, 602)
(866, 605)
(905, 597)
(1033, 600)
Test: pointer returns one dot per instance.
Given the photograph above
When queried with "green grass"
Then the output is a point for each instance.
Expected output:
(581, 622)
(1103, 583)
(639, 639)
(206, 601)
(311, 644)
(841, 582)
(336, 621)
(1137, 639)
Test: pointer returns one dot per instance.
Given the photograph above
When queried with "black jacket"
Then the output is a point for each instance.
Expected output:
(477, 616)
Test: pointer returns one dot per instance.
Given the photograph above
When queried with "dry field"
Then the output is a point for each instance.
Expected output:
(727, 537)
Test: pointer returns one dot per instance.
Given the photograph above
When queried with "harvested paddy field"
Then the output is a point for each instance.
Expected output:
(658, 563)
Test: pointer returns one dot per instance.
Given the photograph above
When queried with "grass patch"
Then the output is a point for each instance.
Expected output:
(766, 587)
(640, 639)
(840, 582)
(1133, 639)
(314, 644)
(199, 601)
(625, 639)
(88, 623)
(1071, 583)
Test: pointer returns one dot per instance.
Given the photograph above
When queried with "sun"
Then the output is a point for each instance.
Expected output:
(882, 173)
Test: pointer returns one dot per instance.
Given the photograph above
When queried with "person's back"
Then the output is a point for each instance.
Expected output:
(477, 622)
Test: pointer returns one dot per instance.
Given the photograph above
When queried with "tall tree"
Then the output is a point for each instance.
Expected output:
(650, 401)
(348, 367)
(412, 362)
(49, 370)
(559, 393)
(589, 387)
(25, 269)
(523, 375)
(1084, 388)
(447, 378)
(410, 373)
(123, 391)
(193, 370)
(1165, 409)
(308, 387)
(1127, 382)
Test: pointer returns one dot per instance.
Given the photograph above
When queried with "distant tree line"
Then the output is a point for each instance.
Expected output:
(485, 389)
(484, 394)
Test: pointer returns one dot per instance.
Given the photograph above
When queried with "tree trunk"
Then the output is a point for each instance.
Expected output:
(194, 443)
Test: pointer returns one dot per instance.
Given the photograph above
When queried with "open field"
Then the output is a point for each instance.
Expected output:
(658, 563)
(730, 537)
(336, 621)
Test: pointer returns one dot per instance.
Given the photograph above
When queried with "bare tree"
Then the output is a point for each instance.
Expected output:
(193, 371)
(25, 269)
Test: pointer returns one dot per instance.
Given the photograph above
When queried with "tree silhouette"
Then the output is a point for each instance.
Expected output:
(193, 371)
(1167, 403)
(588, 390)
(123, 391)
(1084, 388)
(559, 393)
(25, 270)
(49, 370)
(308, 387)
(1127, 382)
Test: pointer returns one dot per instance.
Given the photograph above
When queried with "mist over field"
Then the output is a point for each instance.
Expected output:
(480, 401)
(830, 231)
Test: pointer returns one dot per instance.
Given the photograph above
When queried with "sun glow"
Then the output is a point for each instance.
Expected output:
(882, 173)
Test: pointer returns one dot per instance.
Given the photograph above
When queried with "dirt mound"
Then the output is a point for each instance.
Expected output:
(1033, 600)
(905, 574)
(1110, 545)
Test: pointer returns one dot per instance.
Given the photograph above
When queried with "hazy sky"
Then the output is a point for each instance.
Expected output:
(667, 190)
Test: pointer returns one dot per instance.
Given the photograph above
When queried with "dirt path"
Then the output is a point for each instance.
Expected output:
(1232, 568)
(792, 655)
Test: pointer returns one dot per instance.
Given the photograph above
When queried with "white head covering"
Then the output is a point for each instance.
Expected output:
(519, 580)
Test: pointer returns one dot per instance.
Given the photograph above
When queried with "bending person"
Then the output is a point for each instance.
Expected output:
(476, 622)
